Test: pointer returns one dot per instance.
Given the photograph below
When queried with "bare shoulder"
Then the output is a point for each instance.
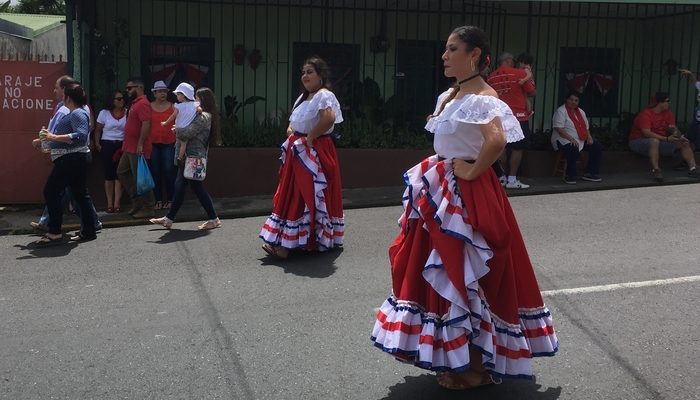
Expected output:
(489, 91)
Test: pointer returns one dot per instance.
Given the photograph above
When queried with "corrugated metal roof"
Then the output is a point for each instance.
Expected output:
(32, 24)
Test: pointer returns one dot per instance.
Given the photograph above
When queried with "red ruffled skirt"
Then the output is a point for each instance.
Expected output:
(462, 278)
(307, 207)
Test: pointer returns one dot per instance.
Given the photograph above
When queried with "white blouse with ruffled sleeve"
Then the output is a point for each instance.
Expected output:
(306, 115)
(457, 131)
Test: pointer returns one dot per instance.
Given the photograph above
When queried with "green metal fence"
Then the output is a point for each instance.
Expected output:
(385, 56)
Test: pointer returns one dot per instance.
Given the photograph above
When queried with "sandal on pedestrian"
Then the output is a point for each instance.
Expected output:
(117, 209)
(78, 238)
(165, 221)
(110, 210)
(49, 239)
(274, 251)
(158, 206)
(211, 224)
(38, 226)
(166, 205)
(464, 380)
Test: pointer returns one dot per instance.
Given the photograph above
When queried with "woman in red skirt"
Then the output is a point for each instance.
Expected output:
(465, 300)
(307, 208)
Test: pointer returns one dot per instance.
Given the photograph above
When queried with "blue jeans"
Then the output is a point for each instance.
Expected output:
(199, 191)
(571, 152)
(163, 168)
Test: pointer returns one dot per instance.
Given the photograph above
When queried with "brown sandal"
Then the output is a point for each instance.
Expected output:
(49, 239)
(274, 251)
(465, 380)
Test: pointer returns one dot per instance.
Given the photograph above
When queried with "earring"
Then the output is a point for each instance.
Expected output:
(472, 64)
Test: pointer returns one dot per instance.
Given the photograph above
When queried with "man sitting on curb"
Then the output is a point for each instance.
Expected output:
(654, 133)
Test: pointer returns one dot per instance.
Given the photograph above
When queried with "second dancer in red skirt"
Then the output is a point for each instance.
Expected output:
(307, 210)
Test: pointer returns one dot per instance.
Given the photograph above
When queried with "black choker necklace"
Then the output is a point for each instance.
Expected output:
(467, 79)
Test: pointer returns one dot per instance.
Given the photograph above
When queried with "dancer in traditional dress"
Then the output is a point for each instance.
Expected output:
(307, 208)
(465, 300)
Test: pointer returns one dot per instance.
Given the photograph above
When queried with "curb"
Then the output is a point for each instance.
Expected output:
(371, 198)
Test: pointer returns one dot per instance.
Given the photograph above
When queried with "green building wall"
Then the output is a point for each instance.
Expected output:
(645, 42)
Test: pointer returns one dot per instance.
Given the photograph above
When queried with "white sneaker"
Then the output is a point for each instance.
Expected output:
(516, 185)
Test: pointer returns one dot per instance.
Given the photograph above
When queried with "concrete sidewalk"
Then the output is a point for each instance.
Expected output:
(14, 220)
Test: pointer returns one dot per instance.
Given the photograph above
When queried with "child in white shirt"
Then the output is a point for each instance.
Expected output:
(183, 112)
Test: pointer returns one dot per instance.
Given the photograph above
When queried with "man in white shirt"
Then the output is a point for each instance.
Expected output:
(570, 135)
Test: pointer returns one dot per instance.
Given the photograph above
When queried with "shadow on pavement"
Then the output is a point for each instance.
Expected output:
(57, 249)
(426, 387)
(178, 235)
(307, 263)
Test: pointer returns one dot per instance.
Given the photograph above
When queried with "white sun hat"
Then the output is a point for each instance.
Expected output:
(186, 89)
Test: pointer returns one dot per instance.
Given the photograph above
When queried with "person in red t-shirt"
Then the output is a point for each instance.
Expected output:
(654, 132)
(506, 81)
(137, 142)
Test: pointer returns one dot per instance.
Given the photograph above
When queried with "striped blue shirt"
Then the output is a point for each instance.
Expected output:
(77, 126)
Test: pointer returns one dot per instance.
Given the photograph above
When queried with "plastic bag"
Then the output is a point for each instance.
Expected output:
(144, 180)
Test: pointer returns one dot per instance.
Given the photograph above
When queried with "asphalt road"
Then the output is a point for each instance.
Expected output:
(145, 313)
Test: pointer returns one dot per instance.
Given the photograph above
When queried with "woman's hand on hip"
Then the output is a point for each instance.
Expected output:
(462, 169)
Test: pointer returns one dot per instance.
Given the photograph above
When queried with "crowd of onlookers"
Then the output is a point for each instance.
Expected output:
(654, 132)
(154, 129)
(147, 129)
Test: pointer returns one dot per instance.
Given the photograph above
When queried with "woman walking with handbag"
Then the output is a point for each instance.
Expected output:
(203, 130)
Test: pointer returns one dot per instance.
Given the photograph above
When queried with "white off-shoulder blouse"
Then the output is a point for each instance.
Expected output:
(456, 128)
(306, 115)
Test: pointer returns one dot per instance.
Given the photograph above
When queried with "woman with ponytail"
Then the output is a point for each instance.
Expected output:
(307, 210)
(68, 141)
(465, 301)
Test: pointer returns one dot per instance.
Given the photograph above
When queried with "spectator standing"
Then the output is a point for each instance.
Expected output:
(137, 141)
(109, 138)
(506, 80)
(163, 150)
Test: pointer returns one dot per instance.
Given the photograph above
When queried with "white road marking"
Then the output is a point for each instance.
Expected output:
(616, 286)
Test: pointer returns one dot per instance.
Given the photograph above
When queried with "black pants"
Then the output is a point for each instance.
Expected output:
(595, 155)
(69, 170)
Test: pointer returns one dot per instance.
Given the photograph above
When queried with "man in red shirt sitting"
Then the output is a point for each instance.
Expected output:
(654, 132)
(512, 87)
